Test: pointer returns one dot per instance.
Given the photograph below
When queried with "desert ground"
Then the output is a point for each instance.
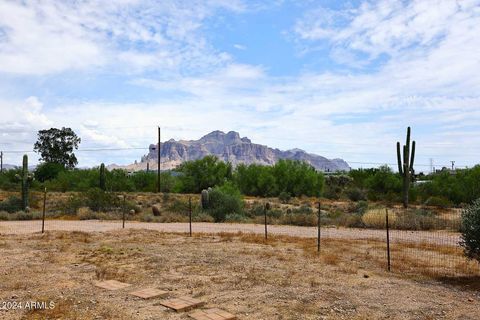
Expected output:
(282, 278)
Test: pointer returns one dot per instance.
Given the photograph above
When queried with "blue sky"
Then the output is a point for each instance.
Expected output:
(340, 79)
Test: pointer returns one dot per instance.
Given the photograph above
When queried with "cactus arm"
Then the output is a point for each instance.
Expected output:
(399, 159)
(412, 158)
(408, 137)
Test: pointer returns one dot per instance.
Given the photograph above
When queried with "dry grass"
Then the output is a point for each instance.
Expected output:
(280, 278)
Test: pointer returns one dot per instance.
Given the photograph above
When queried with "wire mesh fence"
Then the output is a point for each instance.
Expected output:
(408, 241)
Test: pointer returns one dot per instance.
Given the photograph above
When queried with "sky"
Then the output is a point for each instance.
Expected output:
(339, 79)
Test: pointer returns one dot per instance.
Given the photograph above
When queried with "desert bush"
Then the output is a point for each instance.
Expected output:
(284, 197)
(224, 200)
(178, 206)
(355, 194)
(4, 216)
(303, 209)
(416, 219)
(99, 200)
(470, 229)
(85, 213)
(146, 217)
(353, 221)
(235, 217)
(11, 205)
(437, 201)
(165, 197)
(256, 210)
(299, 219)
(361, 207)
(168, 217)
(71, 206)
(202, 217)
(375, 218)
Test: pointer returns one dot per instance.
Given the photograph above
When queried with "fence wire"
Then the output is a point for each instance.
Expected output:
(434, 251)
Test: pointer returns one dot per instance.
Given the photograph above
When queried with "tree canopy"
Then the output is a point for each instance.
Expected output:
(57, 146)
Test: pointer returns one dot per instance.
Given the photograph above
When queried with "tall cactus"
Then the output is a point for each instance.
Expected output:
(405, 165)
(205, 199)
(102, 177)
(25, 178)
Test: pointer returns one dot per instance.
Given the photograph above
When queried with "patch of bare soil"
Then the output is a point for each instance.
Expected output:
(280, 279)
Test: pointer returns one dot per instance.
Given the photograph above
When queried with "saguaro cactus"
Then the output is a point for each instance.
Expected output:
(25, 178)
(405, 165)
(102, 177)
(205, 199)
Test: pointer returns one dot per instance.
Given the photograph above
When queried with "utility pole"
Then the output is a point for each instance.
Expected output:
(159, 159)
(1, 161)
(453, 164)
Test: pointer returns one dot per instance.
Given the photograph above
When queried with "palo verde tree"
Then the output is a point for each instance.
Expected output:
(57, 146)
(405, 165)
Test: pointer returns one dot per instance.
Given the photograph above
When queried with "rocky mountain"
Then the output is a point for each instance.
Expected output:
(228, 147)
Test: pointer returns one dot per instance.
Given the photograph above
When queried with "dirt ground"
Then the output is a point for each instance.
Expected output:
(431, 237)
(280, 279)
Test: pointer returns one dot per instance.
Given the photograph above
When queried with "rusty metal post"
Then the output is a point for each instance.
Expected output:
(318, 227)
(44, 209)
(124, 209)
(388, 239)
(190, 213)
(159, 159)
(265, 210)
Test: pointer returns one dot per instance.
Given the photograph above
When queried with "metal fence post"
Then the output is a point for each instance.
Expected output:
(318, 227)
(124, 209)
(388, 239)
(267, 207)
(190, 213)
(44, 209)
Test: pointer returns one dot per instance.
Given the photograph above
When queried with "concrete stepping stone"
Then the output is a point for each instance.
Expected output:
(112, 285)
(184, 303)
(212, 314)
(149, 293)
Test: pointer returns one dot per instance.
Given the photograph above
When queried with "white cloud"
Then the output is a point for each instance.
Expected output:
(50, 36)
(428, 77)
(240, 47)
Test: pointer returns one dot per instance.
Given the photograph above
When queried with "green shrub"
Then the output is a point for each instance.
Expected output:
(440, 202)
(11, 205)
(353, 221)
(224, 200)
(284, 197)
(235, 217)
(299, 219)
(361, 207)
(256, 210)
(4, 216)
(99, 200)
(470, 230)
(202, 217)
(355, 194)
(417, 219)
(48, 171)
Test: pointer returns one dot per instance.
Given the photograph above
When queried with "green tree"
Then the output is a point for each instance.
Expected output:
(57, 146)
(202, 174)
(48, 171)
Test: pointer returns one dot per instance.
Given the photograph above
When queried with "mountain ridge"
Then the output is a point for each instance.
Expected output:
(228, 147)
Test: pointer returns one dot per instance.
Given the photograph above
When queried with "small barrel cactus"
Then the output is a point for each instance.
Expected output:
(205, 199)
(25, 178)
